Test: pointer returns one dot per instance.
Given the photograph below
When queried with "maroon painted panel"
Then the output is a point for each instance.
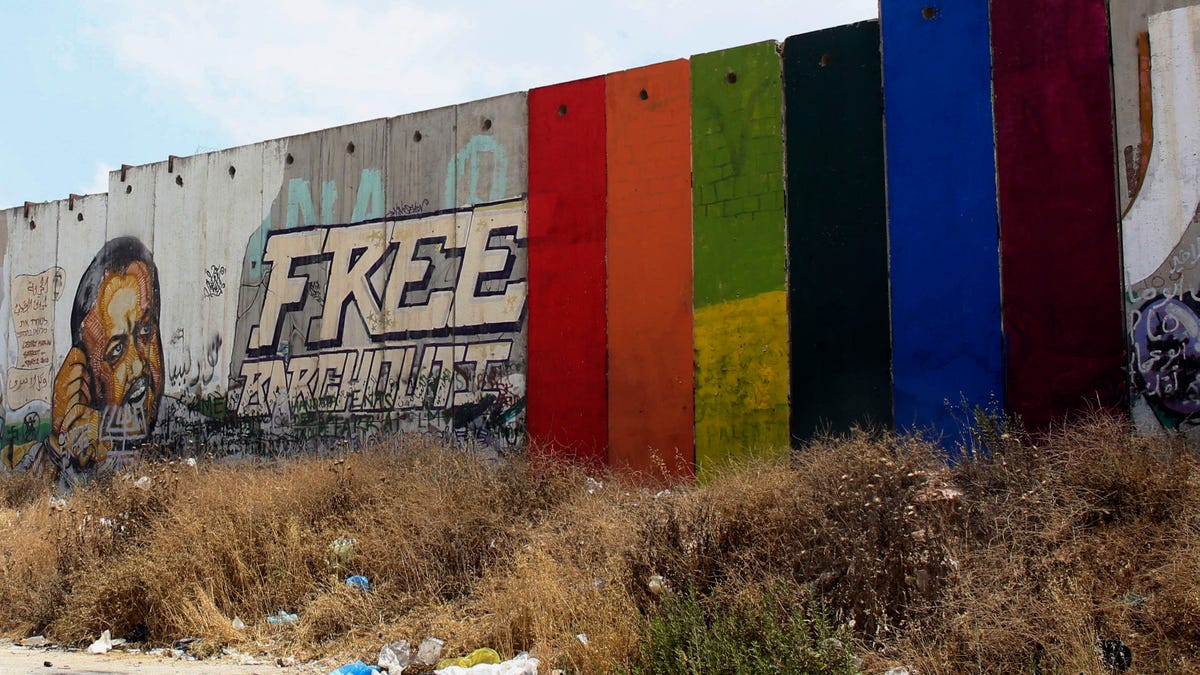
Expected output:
(567, 371)
(1060, 259)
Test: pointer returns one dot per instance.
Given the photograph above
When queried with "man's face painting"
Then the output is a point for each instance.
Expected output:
(124, 351)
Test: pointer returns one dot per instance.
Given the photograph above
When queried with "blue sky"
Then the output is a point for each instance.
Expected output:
(92, 85)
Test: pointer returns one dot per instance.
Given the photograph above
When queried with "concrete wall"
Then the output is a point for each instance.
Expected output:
(1156, 50)
(661, 269)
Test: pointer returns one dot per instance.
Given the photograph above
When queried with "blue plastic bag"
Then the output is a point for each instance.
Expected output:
(359, 581)
(356, 668)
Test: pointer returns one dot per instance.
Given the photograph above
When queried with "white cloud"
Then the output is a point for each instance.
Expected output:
(279, 67)
(99, 179)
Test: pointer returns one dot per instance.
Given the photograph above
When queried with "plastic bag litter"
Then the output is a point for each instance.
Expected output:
(523, 664)
(282, 618)
(395, 657)
(481, 655)
(429, 651)
(103, 645)
(358, 581)
(356, 668)
(342, 551)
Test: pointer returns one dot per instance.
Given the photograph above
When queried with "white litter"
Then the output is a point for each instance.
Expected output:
(523, 664)
(103, 645)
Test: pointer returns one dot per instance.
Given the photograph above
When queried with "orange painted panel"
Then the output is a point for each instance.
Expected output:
(650, 409)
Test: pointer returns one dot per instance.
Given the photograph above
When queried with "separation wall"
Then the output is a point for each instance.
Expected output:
(661, 269)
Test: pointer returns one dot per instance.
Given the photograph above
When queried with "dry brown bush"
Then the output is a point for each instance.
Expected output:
(1014, 561)
(1079, 535)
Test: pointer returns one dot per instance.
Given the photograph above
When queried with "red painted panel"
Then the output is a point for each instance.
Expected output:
(1060, 256)
(567, 393)
(651, 418)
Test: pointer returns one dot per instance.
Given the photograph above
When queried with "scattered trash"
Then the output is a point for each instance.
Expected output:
(47, 664)
(429, 651)
(482, 655)
(593, 485)
(190, 461)
(285, 661)
(1115, 655)
(238, 624)
(183, 644)
(282, 618)
(583, 638)
(656, 584)
(394, 657)
(35, 641)
(356, 668)
(342, 551)
(142, 483)
(102, 646)
(898, 670)
(522, 664)
(57, 503)
(358, 581)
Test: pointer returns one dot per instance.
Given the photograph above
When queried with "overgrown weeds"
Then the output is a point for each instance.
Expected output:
(773, 627)
(1019, 558)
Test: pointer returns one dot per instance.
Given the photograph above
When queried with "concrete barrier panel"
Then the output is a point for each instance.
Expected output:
(650, 378)
(837, 232)
(234, 213)
(131, 203)
(739, 250)
(35, 286)
(1160, 227)
(180, 216)
(941, 180)
(490, 165)
(568, 392)
(1060, 254)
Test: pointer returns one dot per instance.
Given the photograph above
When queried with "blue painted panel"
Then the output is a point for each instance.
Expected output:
(942, 221)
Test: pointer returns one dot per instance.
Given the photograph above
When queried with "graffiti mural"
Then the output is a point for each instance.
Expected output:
(297, 295)
(107, 390)
(1158, 61)
(1165, 358)
(405, 323)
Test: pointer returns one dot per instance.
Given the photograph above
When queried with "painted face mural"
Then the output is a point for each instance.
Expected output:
(107, 391)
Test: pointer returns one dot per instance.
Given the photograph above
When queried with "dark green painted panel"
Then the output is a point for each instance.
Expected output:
(740, 254)
(837, 231)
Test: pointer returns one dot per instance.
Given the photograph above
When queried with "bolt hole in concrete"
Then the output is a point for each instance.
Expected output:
(79, 217)
(179, 180)
(643, 95)
(731, 77)
(562, 110)
(232, 171)
(826, 59)
(350, 147)
(487, 125)
(416, 137)
(289, 159)
(128, 189)
(929, 12)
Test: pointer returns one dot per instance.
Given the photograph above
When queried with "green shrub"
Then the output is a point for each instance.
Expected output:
(768, 628)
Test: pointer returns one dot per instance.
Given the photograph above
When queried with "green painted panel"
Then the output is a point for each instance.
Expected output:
(740, 254)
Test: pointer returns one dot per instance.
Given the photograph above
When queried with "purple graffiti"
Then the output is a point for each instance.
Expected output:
(1166, 356)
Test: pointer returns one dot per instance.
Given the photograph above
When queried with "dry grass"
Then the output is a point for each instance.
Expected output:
(1018, 562)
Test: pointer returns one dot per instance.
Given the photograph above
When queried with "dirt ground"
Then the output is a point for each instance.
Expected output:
(26, 661)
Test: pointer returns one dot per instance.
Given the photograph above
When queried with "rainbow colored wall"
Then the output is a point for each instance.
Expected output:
(886, 224)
